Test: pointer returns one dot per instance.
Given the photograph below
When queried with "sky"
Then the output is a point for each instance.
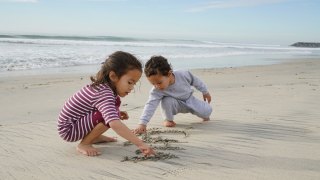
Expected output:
(247, 21)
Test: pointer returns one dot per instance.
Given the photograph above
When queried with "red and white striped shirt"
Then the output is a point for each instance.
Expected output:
(86, 101)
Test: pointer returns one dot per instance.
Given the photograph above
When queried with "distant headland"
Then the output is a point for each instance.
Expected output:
(306, 44)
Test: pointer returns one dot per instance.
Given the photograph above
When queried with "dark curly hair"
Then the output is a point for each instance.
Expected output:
(157, 65)
(119, 62)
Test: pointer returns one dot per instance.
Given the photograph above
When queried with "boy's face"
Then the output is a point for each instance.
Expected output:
(161, 82)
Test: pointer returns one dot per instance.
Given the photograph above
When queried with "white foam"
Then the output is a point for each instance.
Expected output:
(23, 53)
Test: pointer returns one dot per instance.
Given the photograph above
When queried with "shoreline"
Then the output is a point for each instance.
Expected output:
(265, 125)
(93, 68)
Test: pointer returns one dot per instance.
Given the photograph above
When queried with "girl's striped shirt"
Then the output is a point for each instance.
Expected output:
(75, 118)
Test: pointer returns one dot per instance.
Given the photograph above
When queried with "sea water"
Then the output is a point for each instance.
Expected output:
(65, 53)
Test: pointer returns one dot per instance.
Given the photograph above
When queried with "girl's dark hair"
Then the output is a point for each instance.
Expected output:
(157, 65)
(119, 62)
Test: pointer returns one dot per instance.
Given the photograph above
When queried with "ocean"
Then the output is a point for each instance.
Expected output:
(58, 53)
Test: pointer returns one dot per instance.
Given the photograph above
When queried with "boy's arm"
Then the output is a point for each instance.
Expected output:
(148, 111)
(197, 83)
(200, 86)
(150, 107)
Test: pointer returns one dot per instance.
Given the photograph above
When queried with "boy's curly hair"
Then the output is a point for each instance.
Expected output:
(157, 65)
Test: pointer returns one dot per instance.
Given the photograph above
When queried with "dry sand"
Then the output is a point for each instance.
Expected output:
(265, 125)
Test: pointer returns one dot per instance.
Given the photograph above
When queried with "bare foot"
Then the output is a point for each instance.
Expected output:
(206, 119)
(104, 139)
(88, 150)
(169, 124)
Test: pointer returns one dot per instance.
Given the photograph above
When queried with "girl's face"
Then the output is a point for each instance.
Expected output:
(161, 82)
(126, 83)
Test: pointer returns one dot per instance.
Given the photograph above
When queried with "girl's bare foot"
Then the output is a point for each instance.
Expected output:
(169, 124)
(88, 150)
(104, 139)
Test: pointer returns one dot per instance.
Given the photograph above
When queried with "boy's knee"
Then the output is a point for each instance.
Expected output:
(204, 112)
(168, 102)
(209, 111)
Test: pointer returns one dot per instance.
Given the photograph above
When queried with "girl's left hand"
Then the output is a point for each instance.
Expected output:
(124, 115)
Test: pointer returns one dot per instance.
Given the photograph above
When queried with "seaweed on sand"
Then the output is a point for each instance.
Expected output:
(156, 157)
(147, 138)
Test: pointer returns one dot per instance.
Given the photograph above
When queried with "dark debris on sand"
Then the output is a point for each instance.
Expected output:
(147, 138)
(156, 157)
(153, 131)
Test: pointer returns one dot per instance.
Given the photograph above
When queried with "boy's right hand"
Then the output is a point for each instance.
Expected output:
(146, 150)
(207, 97)
(141, 129)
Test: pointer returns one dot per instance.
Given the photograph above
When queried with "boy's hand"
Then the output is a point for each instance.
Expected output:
(124, 115)
(141, 129)
(146, 150)
(207, 97)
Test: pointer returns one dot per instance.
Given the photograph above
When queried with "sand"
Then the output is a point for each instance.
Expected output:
(265, 125)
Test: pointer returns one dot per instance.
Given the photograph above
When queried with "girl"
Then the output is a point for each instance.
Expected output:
(95, 108)
(173, 89)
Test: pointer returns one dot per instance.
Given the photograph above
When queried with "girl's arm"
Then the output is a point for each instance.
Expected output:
(126, 133)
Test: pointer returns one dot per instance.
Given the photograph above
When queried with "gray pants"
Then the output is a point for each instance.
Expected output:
(171, 106)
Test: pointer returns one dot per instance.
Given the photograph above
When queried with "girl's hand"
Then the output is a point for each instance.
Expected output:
(124, 115)
(207, 97)
(146, 150)
(141, 129)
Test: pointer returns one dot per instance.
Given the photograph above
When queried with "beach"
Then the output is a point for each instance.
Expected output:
(265, 125)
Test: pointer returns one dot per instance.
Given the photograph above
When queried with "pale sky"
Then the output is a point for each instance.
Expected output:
(252, 21)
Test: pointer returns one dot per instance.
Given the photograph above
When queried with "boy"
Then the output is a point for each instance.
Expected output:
(174, 90)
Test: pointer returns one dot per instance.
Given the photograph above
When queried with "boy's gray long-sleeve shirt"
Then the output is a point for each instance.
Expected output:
(180, 90)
